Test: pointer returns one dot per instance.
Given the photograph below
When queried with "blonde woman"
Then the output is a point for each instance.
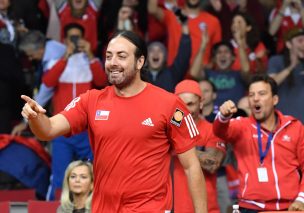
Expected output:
(77, 188)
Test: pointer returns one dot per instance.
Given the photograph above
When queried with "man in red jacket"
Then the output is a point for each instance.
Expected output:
(269, 148)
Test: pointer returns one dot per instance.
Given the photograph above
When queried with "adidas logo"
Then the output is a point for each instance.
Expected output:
(147, 122)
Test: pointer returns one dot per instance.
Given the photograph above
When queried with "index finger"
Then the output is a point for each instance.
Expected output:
(26, 98)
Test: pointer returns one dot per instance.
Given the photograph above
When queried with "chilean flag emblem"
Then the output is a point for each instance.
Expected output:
(102, 115)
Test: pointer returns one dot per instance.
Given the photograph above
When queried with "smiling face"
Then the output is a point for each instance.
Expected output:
(80, 180)
(121, 65)
(156, 57)
(261, 101)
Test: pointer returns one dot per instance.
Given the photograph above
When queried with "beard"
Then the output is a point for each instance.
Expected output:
(193, 6)
(124, 79)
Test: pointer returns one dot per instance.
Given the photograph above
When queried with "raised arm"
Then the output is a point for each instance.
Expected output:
(59, 3)
(43, 127)
(276, 21)
(282, 75)
(197, 68)
(196, 180)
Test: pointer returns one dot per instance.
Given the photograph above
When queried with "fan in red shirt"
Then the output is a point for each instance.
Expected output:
(210, 151)
(285, 16)
(198, 21)
(132, 127)
(83, 12)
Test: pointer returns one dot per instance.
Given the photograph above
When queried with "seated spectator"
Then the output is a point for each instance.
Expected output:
(158, 72)
(250, 52)
(285, 16)
(77, 191)
(287, 71)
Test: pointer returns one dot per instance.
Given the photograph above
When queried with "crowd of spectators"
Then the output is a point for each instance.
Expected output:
(53, 50)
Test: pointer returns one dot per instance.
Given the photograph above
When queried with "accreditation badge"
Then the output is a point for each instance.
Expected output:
(262, 174)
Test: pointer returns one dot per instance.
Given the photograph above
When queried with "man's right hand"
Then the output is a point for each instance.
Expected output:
(228, 108)
(31, 108)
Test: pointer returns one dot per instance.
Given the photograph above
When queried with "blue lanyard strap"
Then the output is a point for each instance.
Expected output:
(261, 153)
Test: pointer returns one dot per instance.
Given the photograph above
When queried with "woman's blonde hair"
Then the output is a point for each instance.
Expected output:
(66, 196)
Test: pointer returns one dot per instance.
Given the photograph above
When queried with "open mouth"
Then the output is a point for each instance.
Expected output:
(257, 108)
(155, 59)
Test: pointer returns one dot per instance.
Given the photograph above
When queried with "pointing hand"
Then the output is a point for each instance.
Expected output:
(31, 108)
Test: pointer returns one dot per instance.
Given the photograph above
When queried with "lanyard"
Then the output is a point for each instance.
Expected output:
(261, 153)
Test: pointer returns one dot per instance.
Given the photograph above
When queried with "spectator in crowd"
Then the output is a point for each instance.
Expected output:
(268, 147)
(77, 190)
(210, 109)
(287, 71)
(250, 52)
(198, 21)
(210, 151)
(82, 12)
(38, 49)
(28, 14)
(229, 83)
(158, 73)
(224, 10)
(134, 13)
(7, 30)
(287, 15)
(123, 181)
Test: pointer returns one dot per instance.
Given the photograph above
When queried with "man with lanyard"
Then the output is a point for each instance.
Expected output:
(269, 148)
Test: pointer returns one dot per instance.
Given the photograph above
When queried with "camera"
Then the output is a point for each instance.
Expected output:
(74, 39)
(178, 12)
